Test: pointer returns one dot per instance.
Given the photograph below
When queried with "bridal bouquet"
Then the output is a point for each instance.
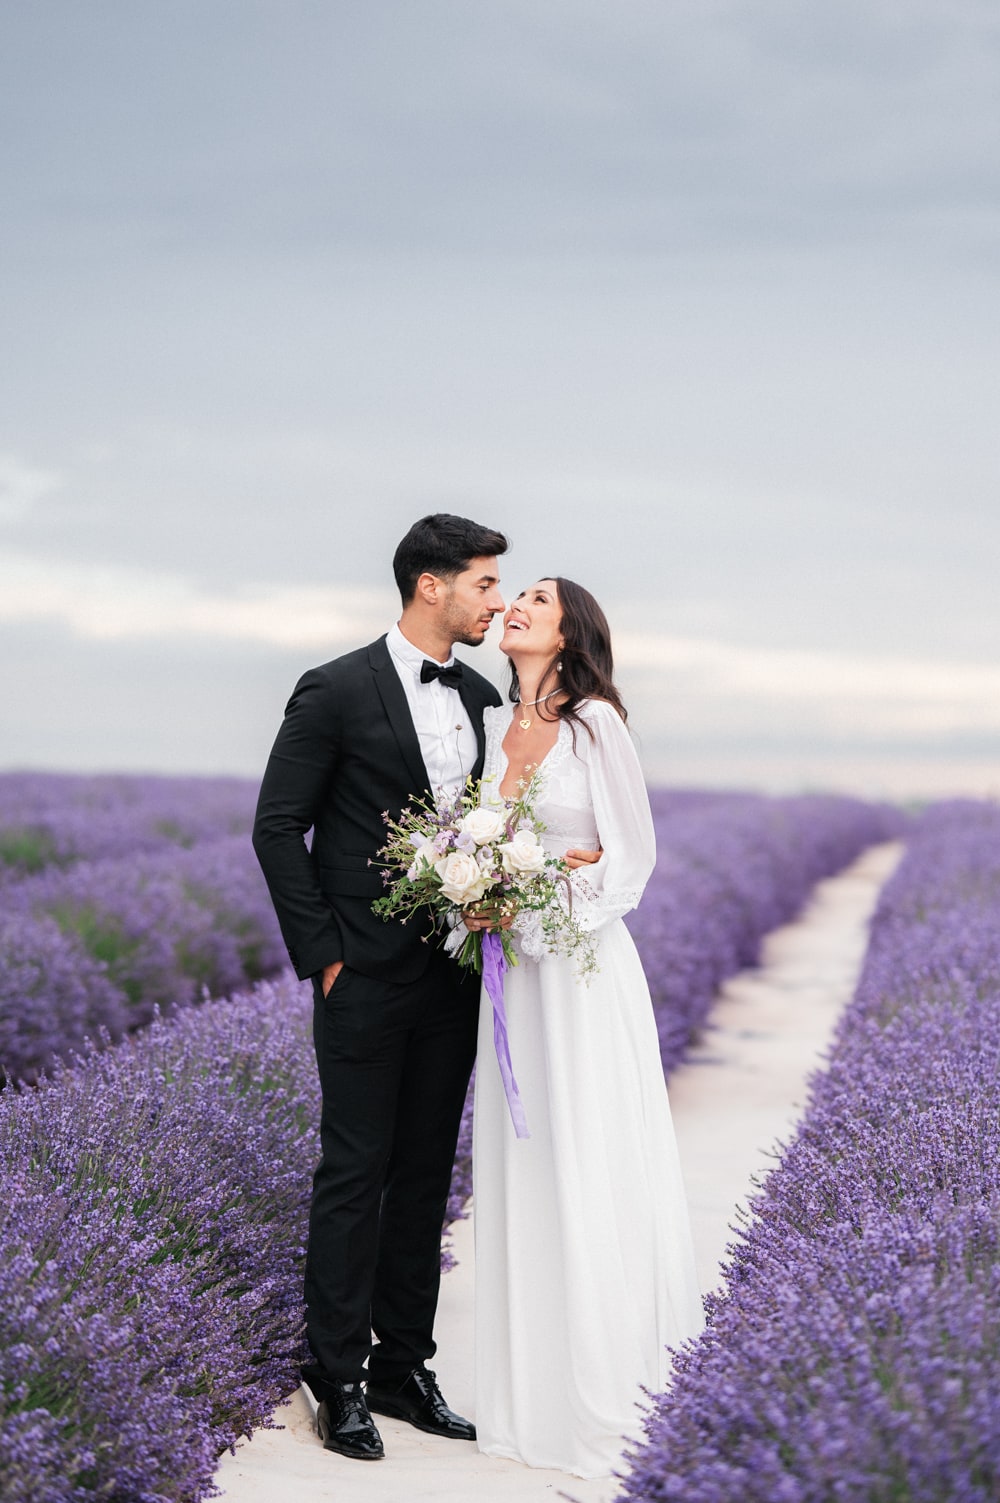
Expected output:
(479, 852)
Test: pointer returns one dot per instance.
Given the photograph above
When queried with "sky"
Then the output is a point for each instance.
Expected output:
(698, 302)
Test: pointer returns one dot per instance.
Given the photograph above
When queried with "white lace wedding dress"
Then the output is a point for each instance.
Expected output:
(584, 1265)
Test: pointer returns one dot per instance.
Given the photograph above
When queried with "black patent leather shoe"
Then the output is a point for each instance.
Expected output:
(417, 1399)
(345, 1424)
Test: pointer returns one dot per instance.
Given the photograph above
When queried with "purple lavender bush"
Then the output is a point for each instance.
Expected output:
(52, 993)
(154, 1203)
(104, 944)
(855, 1353)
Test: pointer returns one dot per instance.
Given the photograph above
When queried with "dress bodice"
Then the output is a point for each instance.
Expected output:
(563, 800)
(589, 794)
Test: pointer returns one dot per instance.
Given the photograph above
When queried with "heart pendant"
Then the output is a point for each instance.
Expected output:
(525, 725)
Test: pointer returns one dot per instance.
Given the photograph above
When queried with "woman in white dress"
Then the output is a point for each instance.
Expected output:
(584, 1265)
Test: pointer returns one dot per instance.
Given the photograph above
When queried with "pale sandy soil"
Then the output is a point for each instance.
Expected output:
(737, 1094)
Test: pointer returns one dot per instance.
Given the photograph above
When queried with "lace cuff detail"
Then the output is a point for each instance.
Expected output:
(530, 934)
(593, 907)
(457, 935)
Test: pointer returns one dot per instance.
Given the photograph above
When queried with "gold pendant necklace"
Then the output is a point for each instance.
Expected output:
(526, 724)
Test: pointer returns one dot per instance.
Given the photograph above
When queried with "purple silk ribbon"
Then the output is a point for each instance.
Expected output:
(494, 968)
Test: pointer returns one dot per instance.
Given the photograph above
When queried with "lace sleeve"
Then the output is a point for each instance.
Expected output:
(614, 884)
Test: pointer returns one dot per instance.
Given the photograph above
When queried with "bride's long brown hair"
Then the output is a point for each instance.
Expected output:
(588, 668)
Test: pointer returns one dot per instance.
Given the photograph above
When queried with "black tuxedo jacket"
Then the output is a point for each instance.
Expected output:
(347, 752)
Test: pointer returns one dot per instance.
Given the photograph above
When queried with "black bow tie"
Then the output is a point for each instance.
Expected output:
(450, 676)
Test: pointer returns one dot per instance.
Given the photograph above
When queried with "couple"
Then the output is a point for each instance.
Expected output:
(584, 1269)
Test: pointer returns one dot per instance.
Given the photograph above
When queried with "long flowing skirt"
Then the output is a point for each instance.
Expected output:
(584, 1265)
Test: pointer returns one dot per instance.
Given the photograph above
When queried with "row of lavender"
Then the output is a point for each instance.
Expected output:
(56, 819)
(730, 868)
(855, 1353)
(154, 1198)
(152, 1216)
(118, 896)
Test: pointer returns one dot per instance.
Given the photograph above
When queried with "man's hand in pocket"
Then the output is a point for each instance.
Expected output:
(330, 974)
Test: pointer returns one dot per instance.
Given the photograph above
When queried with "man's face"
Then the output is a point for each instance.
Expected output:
(471, 601)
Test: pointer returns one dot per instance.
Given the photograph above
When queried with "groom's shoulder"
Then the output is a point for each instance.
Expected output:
(349, 664)
(346, 674)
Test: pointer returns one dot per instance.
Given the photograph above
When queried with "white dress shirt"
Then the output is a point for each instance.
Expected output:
(444, 729)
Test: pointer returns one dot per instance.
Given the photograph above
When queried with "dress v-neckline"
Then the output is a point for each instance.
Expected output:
(506, 760)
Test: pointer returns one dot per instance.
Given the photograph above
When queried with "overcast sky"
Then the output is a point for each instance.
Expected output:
(699, 302)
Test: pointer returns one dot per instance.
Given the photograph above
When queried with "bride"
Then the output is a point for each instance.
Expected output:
(584, 1265)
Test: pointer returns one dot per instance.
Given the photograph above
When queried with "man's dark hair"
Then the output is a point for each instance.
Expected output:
(442, 545)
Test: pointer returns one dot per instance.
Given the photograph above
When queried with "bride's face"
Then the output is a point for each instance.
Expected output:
(531, 623)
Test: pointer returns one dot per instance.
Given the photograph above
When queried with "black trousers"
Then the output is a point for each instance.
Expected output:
(394, 1065)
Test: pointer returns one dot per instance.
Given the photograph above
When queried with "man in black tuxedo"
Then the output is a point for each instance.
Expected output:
(395, 1019)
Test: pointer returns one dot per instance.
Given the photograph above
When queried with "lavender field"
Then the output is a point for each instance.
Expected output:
(154, 1194)
(118, 897)
(56, 820)
(855, 1353)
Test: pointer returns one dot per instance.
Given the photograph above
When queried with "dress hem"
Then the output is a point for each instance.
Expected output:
(547, 1466)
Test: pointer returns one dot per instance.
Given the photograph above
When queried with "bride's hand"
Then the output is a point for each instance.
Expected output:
(575, 858)
(486, 916)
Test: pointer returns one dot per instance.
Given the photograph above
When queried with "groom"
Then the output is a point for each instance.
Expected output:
(395, 1020)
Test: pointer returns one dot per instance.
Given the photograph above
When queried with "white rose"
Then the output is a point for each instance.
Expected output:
(484, 825)
(423, 858)
(523, 853)
(461, 879)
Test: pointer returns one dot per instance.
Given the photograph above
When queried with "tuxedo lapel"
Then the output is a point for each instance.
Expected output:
(397, 711)
(474, 709)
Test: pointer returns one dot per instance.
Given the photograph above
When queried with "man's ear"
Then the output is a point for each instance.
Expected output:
(430, 588)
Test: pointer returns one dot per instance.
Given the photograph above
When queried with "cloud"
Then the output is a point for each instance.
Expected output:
(834, 693)
(22, 485)
(532, 127)
(117, 604)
